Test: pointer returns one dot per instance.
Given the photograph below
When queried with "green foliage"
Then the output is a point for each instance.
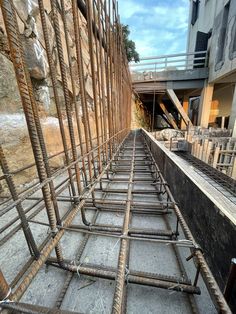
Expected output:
(132, 54)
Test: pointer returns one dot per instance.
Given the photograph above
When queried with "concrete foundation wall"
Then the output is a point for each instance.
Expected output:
(213, 231)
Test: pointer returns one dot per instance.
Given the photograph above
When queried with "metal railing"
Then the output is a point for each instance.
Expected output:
(182, 61)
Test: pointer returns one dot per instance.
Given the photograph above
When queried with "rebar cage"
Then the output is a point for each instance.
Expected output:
(86, 154)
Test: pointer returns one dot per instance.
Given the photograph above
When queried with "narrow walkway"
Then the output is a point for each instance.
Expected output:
(223, 183)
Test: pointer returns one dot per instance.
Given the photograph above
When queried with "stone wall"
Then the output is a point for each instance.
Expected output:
(140, 116)
(13, 129)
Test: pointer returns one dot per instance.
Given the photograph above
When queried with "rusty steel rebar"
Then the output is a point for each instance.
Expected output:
(24, 223)
(22, 78)
(123, 253)
(52, 243)
(5, 291)
(33, 189)
(25, 308)
(73, 88)
(94, 77)
(68, 104)
(81, 76)
(134, 277)
(32, 117)
(55, 90)
(231, 280)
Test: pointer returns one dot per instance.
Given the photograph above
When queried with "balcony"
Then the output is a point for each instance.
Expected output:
(177, 71)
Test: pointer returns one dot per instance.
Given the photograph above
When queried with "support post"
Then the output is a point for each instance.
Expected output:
(179, 107)
(205, 105)
(183, 126)
(232, 119)
(233, 174)
(168, 116)
(216, 156)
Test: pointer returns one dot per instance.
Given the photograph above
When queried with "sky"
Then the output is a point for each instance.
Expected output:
(158, 27)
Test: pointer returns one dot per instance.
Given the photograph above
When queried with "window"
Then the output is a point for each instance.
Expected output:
(222, 35)
(195, 11)
(201, 45)
(234, 42)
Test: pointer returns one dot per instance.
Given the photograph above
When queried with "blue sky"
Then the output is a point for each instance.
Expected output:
(157, 26)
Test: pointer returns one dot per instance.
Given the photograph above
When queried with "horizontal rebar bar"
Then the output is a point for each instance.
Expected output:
(106, 273)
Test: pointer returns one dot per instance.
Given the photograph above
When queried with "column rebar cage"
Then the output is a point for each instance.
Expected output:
(88, 144)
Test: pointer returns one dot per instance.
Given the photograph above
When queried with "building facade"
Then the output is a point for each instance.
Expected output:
(212, 27)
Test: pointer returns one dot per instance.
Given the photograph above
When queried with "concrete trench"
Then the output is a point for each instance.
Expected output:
(53, 287)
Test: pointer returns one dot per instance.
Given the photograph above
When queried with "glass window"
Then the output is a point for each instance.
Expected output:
(195, 11)
(222, 34)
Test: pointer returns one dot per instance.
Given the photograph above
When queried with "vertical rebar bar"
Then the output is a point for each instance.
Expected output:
(12, 188)
(73, 87)
(80, 65)
(92, 63)
(26, 97)
(4, 288)
(55, 90)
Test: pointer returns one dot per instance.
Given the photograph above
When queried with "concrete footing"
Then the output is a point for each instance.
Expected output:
(210, 215)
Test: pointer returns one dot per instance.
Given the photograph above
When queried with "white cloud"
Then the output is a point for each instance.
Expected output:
(156, 29)
(176, 18)
(128, 8)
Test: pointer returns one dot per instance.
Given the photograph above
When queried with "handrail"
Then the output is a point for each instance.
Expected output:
(161, 62)
(181, 67)
(174, 55)
(186, 61)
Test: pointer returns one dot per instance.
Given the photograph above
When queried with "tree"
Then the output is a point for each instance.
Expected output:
(132, 54)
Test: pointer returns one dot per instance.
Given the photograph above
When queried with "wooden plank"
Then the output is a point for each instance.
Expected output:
(233, 174)
(168, 116)
(179, 107)
(185, 107)
(198, 150)
(205, 105)
(208, 152)
(204, 150)
(216, 156)
(227, 157)
(193, 148)
(222, 122)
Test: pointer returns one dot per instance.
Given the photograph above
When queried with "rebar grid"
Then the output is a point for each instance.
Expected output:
(90, 166)
(125, 234)
(83, 164)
